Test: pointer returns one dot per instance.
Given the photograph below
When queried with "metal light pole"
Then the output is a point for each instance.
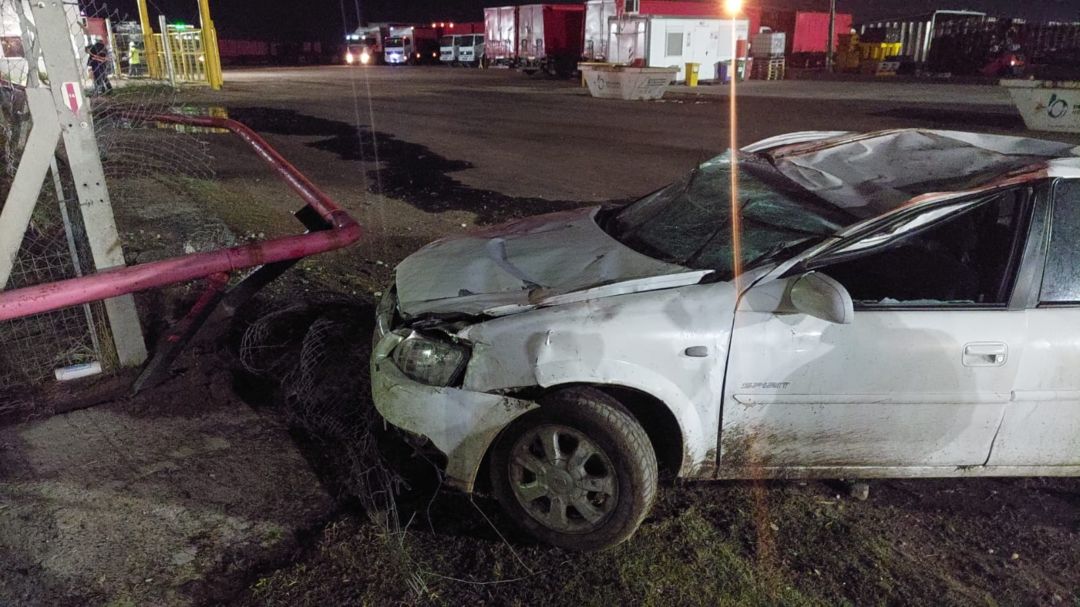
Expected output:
(830, 53)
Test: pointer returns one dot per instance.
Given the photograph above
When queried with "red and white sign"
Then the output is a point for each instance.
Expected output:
(74, 96)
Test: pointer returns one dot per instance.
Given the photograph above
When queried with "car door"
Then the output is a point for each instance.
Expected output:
(920, 378)
(1042, 425)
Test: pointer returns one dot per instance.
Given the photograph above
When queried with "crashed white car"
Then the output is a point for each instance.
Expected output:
(893, 304)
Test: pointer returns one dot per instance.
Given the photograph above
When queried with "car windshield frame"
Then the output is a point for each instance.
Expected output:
(761, 183)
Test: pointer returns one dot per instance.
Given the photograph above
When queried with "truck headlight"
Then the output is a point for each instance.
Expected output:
(350, 58)
(365, 57)
(431, 361)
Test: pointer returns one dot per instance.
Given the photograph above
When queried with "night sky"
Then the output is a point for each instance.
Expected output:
(322, 19)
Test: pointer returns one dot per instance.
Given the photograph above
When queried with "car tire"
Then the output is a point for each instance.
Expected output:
(595, 485)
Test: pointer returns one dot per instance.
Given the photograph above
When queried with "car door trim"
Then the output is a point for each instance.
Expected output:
(1026, 289)
(873, 399)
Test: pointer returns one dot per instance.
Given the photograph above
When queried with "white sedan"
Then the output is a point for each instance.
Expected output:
(893, 304)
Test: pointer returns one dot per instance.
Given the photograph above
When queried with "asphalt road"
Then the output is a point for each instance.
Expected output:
(524, 136)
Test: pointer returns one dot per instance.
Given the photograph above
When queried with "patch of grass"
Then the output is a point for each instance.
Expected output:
(240, 211)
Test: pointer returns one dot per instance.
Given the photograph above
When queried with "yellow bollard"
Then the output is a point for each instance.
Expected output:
(692, 72)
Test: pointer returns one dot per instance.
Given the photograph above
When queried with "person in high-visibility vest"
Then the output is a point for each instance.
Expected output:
(134, 59)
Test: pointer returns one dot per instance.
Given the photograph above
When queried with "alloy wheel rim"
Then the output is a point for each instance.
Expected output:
(562, 479)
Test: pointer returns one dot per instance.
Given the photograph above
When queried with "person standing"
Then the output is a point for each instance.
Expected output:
(99, 66)
(134, 59)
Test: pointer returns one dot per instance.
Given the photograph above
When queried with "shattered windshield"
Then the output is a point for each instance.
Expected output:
(689, 223)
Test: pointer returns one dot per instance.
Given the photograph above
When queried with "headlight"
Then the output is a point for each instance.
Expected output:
(349, 58)
(434, 362)
(365, 57)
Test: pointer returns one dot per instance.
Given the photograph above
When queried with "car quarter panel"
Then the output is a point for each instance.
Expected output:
(669, 344)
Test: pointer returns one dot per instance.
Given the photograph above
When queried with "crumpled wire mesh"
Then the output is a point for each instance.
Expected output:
(318, 352)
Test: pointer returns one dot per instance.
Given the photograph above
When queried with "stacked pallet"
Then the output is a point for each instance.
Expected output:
(767, 50)
(773, 68)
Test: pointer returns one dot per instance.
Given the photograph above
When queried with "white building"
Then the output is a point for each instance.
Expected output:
(658, 40)
(675, 41)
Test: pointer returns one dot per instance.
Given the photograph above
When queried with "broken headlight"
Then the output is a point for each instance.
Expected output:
(431, 361)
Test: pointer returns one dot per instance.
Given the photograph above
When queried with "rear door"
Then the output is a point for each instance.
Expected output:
(1042, 426)
(920, 379)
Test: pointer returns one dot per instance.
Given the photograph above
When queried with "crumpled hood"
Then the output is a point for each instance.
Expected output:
(526, 263)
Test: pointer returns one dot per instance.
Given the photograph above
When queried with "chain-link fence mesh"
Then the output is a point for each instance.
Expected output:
(147, 168)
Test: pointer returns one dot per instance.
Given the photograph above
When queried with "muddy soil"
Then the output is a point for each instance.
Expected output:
(160, 499)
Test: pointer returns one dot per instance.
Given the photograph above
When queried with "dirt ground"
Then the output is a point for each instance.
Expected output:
(414, 155)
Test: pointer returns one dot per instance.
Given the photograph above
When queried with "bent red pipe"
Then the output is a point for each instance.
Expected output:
(107, 284)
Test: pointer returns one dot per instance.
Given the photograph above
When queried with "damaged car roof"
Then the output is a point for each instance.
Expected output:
(565, 257)
(872, 174)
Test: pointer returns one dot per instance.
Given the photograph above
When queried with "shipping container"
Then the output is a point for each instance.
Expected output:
(806, 33)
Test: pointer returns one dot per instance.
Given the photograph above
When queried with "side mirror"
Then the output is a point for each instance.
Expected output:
(822, 297)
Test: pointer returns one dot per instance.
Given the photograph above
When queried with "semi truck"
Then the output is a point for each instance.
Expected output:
(411, 45)
(365, 45)
(535, 37)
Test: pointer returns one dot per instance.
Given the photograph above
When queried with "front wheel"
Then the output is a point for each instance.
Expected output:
(579, 472)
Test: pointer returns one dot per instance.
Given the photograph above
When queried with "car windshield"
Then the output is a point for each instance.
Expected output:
(689, 222)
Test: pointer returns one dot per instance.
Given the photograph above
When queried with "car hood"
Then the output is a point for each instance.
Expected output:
(538, 261)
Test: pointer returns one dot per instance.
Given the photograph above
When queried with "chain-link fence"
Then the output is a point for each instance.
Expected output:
(54, 244)
(145, 168)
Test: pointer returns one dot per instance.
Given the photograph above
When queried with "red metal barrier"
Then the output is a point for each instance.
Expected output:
(107, 284)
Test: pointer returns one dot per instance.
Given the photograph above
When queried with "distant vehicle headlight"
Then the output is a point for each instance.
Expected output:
(431, 361)
(365, 57)
(350, 58)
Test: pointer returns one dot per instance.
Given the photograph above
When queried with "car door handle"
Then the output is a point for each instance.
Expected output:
(986, 355)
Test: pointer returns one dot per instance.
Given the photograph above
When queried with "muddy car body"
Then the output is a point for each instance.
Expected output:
(897, 304)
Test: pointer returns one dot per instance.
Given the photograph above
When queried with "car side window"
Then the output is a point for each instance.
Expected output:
(969, 259)
(1061, 277)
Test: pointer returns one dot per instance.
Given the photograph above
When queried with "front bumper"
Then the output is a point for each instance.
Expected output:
(462, 424)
